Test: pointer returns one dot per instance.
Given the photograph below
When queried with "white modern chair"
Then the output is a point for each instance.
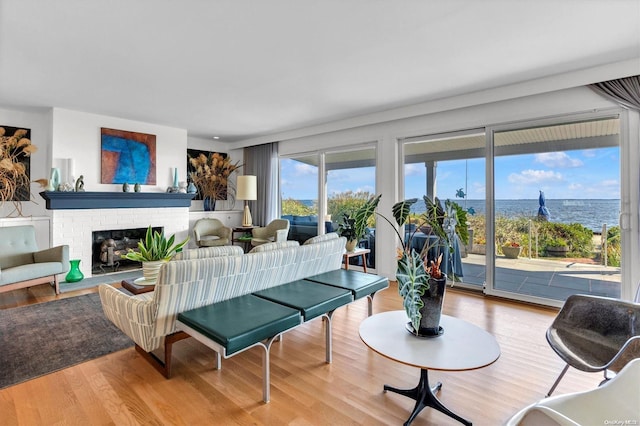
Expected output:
(275, 232)
(210, 232)
(616, 400)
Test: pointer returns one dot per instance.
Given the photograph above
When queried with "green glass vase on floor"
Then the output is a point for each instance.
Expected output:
(75, 274)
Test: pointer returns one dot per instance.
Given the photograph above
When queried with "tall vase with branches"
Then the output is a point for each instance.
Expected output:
(212, 176)
(13, 173)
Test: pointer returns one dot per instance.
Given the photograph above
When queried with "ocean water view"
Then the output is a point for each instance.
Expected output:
(591, 213)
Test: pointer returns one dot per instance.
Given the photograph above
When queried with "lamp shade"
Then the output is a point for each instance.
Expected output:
(247, 188)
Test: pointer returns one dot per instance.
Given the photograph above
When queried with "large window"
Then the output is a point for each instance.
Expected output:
(318, 188)
(541, 202)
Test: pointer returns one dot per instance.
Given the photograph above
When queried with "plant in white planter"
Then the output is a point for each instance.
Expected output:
(153, 251)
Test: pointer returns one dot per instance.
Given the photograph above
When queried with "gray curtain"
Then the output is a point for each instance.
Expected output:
(625, 91)
(262, 161)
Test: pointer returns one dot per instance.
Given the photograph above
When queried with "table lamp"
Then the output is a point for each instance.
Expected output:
(247, 190)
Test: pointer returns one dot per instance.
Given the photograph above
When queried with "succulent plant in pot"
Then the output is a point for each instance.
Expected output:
(154, 250)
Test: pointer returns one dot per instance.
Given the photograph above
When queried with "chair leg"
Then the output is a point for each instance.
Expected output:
(555, 384)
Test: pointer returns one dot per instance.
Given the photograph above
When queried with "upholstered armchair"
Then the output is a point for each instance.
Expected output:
(23, 265)
(211, 232)
(276, 231)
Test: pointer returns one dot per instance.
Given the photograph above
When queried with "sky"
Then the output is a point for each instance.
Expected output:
(577, 174)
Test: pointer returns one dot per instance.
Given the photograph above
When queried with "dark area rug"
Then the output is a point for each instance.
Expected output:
(47, 337)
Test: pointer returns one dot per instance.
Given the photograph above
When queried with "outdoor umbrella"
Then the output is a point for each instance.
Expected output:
(543, 211)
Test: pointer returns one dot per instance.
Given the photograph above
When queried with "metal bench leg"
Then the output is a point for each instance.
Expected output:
(566, 367)
(266, 370)
(328, 339)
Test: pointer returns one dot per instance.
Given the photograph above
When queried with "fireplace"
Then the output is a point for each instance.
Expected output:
(108, 246)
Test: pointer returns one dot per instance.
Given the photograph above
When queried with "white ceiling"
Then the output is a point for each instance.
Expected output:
(242, 69)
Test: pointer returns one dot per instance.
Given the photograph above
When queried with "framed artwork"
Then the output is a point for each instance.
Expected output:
(194, 153)
(128, 157)
(23, 191)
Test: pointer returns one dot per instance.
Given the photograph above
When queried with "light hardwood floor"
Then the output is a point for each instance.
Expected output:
(122, 389)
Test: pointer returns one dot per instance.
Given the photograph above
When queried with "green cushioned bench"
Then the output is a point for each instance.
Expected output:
(359, 283)
(312, 300)
(235, 325)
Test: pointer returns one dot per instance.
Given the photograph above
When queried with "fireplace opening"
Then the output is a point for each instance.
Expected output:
(108, 247)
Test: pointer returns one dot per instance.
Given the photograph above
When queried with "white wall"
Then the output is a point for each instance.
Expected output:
(76, 135)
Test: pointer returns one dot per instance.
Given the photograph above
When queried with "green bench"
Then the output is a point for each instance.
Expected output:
(254, 322)
(359, 283)
(258, 319)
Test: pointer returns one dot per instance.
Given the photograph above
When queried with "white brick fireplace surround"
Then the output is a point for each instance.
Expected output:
(74, 227)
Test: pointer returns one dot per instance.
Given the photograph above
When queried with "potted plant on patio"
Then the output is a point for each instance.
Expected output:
(153, 251)
(557, 247)
(511, 250)
(421, 283)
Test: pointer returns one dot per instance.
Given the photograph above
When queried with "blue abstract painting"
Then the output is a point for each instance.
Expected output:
(128, 157)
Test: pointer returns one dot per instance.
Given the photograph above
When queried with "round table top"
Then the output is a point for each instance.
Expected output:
(462, 346)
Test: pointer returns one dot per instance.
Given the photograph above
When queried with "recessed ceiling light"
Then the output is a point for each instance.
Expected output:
(216, 137)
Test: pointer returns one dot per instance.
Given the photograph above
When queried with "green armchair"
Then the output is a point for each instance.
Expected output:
(23, 265)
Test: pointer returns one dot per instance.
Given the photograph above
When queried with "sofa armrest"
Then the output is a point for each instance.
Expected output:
(54, 254)
(134, 316)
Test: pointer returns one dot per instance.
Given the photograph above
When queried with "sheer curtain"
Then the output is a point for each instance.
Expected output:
(625, 91)
(262, 161)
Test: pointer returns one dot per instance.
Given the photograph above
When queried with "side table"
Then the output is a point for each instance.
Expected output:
(245, 240)
(357, 252)
(134, 288)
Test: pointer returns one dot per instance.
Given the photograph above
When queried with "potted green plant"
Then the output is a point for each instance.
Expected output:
(511, 250)
(421, 282)
(153, 251)
(557, 247)
(353, 226)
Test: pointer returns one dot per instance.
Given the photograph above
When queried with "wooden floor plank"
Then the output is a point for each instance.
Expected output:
(121, 388)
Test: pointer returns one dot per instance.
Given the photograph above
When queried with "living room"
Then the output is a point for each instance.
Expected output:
(67, 135)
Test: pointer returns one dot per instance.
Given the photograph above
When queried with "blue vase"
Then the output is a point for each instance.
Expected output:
(209, 204)
(191, 189)
(75, 274)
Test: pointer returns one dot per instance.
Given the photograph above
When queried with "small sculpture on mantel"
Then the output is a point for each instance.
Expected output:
(80, 184)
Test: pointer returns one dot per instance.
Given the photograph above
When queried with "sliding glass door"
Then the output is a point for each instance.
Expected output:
(452, 167)
(541, 204)
(556, 204)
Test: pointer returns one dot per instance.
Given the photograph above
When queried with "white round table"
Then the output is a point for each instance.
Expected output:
(462, 346)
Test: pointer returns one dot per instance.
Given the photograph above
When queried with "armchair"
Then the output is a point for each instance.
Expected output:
(23, 265)
(210, 232)
(276, 231)
(593, 333)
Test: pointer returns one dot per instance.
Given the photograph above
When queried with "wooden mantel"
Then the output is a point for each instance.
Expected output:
(58, 200)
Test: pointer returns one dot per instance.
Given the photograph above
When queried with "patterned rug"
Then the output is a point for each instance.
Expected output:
(46, 337)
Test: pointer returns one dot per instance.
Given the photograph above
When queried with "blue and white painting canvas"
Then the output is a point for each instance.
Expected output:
(128, 157)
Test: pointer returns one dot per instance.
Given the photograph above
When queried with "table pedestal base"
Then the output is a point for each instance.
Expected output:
(425, 397)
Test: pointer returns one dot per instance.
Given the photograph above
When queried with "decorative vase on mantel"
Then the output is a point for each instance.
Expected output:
(209, 204)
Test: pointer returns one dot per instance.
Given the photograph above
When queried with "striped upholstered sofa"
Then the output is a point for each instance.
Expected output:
(206, 276)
